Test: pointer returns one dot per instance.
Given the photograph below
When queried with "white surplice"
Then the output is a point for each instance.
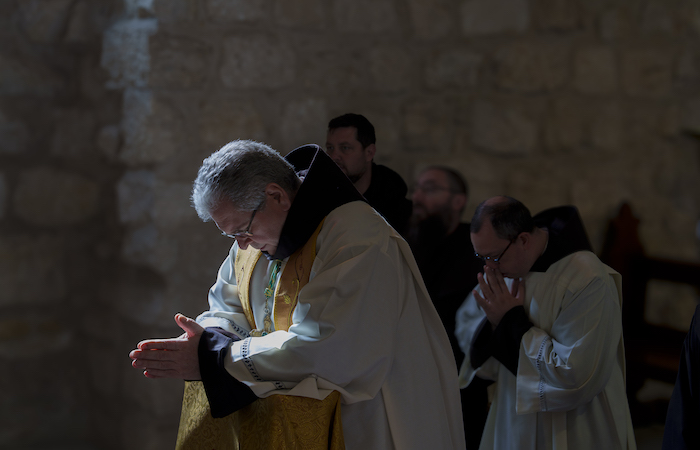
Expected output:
(569, 392)
(364, 325)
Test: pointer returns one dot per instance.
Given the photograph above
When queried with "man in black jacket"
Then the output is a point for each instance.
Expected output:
(441, 244)
(350, 142)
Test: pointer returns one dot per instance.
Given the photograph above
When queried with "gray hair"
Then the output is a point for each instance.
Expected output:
(239, 173)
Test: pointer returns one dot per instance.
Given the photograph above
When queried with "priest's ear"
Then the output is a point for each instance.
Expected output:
(524, 239)
(277, 197)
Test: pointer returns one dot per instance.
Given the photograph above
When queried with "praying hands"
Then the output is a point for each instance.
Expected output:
(171, 358)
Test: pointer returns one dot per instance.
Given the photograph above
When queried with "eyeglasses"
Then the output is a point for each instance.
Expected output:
(246, 232)
(495, 260)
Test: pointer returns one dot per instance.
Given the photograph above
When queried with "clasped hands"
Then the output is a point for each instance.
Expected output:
(495, 298)
(171, 358)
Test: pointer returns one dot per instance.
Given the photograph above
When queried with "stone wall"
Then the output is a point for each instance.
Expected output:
(107, 108)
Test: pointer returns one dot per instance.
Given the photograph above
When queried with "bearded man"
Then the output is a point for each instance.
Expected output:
(445, 256)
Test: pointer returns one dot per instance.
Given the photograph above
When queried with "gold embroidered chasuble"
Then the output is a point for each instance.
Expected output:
(279, 421)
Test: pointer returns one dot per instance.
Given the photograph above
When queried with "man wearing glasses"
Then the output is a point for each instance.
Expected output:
(319, 333)
(545, 324)
(440, 242)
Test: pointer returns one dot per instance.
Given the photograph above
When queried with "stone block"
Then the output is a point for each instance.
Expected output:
(387, 130)
(44, 21)
(483, 174)
(139, 245)
(135, 196)
(679, 183)
(71, 127)
(538, 182)
(149, 246)
(172, 207)
(78, 28)
(3, 195)
(649, 121)
(14, 135)
(27, 77)
(153, 129)
(690, 115)
(365, 16)
(301, 13)
(532, 66)
(427, 125)
(24, 259)
(256, 61)
(619, 23)
(607, 128)
(453, 68)
(227, 11)
(174, 11)
(349, 67)
(479, 17)
(109, 141)
(23, 338)
(647, 73)
(136, 293)
(597, 191)
(178, 62)
(575, 126)
(125, 52)
(391, 68)
(52, 198)
(595, 70)
(688, 68)
(657, 18)
(664, 228)
(222, 120)
(555, 14)
(99, 323)
(688, 14)
(432, 19)
(139, 8)
(504, 129)
(566, 125)
(303, 121)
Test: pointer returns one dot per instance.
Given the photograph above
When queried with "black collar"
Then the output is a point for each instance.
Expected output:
(324, 188)
(566, 235)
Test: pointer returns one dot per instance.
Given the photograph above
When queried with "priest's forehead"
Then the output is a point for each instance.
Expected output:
(486, 241)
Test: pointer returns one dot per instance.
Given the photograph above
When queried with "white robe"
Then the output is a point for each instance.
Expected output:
(364, 325)
(569, 392)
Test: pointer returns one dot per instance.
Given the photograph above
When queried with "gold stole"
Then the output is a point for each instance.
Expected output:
(279, 421)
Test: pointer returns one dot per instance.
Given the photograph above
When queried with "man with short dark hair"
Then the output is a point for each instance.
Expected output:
(351, 143)
(445, 256)
(545, 324)
(320, 333)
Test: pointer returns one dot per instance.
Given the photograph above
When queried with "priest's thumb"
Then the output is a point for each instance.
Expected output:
(189, 326)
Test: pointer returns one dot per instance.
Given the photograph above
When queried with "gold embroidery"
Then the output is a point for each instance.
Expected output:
(278, 422)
